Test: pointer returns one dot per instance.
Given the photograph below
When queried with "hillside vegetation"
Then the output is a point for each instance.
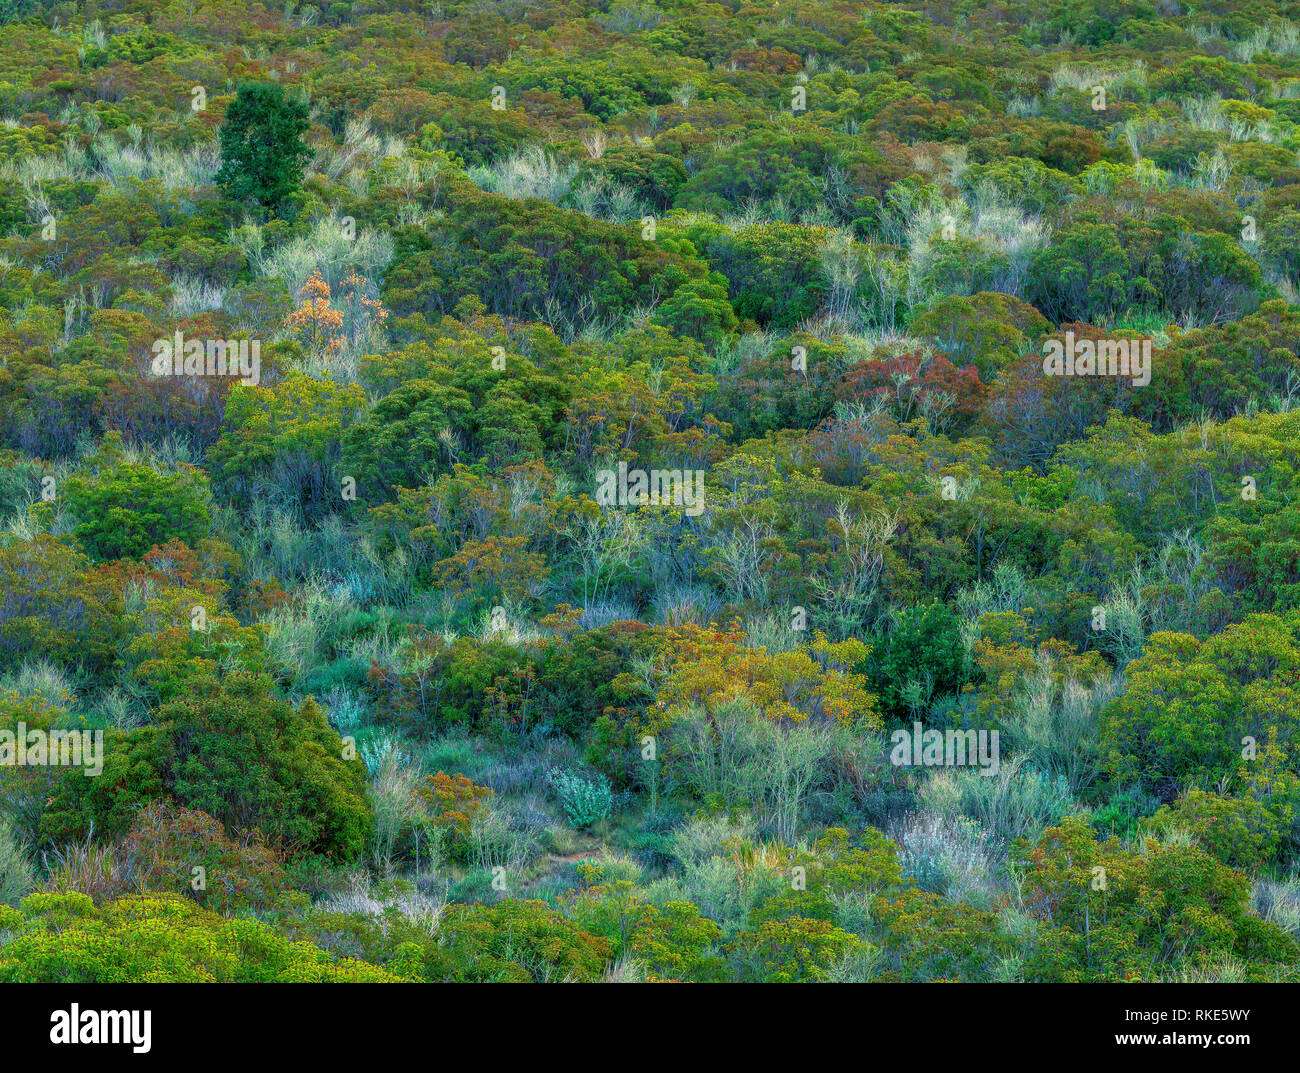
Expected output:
(643, 491)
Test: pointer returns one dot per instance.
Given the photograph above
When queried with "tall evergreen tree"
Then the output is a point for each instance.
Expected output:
(262, 151)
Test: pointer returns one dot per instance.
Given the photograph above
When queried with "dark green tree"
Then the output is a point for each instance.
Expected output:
(923, 648)
(262, 151)
(126, 509)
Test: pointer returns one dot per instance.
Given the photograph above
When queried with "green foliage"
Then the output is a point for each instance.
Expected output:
(699, 309)
(1239, 831)
(1120, 814)
(233, 749)
(262, 151)
(1189, 704)
(919, 658)
(128, 508)
(584, 801)
(156, 938)
(986, 330)
(176, 849)
(802, 267)
(17, 877)
(513, 942)
(773, 270)
(13, 10)
(1112, 913)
